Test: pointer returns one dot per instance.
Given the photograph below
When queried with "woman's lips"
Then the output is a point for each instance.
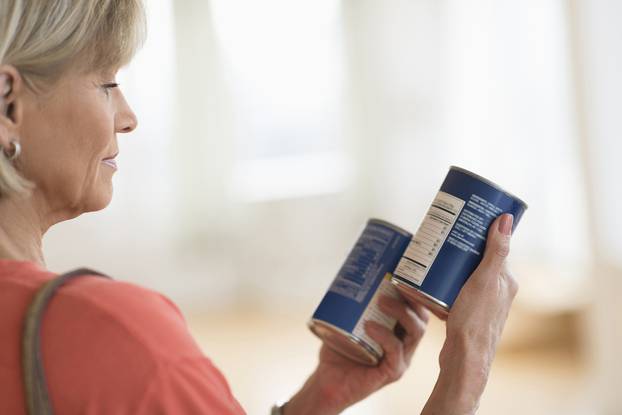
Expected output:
(110, 162)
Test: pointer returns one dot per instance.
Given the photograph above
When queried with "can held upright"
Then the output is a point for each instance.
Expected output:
(352, 297)
(450, 241)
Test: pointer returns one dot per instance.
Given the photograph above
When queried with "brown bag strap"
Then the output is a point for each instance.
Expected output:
(37, 398)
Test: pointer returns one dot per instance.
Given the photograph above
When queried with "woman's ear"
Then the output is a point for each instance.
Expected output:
(5, 85)
(5, 90)
(10, 88)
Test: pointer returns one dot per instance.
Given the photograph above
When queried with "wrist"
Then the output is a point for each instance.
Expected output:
(450, 396)
(462, 379)
(313, 398)
(468, 358)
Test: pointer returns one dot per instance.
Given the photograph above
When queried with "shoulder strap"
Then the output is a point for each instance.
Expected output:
(37, 398)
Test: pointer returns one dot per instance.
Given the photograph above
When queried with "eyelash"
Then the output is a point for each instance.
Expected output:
(109, 86)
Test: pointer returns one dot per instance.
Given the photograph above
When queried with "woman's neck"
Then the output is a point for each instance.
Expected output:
(22, 226)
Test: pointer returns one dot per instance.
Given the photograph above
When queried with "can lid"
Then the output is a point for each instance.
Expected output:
(344, 343)
(490, 183)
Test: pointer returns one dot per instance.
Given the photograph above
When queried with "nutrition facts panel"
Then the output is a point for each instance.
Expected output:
(430, 237)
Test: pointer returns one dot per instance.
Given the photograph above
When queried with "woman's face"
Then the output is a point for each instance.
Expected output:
(69, 140)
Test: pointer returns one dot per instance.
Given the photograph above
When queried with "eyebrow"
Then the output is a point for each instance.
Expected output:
(108, 74)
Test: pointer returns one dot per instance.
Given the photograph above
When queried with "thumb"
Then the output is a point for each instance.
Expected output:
(498, 243)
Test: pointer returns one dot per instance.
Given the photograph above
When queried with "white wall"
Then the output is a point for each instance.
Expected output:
(599, 85)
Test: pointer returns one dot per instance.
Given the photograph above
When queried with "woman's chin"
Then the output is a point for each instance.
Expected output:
(100, 200)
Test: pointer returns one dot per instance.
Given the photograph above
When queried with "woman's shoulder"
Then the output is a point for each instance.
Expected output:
(114, 338)
(118, 297)
(125, 313)
(121, 316)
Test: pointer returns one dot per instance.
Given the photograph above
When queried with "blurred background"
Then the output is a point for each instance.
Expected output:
(269, 132)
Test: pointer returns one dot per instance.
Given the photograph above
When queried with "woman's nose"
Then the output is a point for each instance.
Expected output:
(129, 123)
(125, 120)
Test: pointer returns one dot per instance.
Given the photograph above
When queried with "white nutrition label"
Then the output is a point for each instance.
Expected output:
(430, 237)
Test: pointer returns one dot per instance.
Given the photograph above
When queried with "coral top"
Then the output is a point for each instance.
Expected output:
(109, 347)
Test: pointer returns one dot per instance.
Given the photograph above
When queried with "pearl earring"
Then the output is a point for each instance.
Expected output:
(15, 152)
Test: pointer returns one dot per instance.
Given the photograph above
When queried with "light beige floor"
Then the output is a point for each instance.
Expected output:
(267, 356)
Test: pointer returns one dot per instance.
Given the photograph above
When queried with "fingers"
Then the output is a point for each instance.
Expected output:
(393, 363)
(412, 320)
(497, 244)
(422, 312)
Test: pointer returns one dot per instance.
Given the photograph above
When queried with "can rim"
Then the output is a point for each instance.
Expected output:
(390, 225)
(400, 281)
(412, 293)
(374, 356)
(490, 183)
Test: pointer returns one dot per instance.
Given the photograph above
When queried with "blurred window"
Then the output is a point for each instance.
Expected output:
(283, 63)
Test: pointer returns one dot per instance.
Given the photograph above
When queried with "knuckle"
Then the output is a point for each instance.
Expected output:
(384, 339)
(514, 286)
(395, 375)
(511, 283)
(392, 345)
(502, 250)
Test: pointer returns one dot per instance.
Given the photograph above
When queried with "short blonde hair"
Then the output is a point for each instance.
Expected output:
(44, 39)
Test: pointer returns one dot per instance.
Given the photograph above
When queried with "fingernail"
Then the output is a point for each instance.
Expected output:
(505, 224)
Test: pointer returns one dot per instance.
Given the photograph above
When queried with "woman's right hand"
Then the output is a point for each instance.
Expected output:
(474, 327)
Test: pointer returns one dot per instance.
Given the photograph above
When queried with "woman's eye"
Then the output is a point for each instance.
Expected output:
(109, 86)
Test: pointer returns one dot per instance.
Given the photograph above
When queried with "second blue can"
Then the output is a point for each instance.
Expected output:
(352, 298)
(450, 242)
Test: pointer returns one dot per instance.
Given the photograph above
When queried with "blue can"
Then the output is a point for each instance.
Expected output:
(352, 297)
(450, 241)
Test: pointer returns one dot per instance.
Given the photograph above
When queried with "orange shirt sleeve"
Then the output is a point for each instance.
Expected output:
(115, 347)
(192, 386)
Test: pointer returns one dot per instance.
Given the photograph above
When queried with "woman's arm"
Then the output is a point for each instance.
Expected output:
(474, 327)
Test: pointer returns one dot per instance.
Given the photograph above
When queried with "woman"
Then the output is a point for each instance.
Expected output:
(112, 347)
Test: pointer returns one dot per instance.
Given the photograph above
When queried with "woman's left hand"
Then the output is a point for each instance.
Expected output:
(339, 382)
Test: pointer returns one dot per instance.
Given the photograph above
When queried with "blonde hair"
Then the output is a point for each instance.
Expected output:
(44, 39)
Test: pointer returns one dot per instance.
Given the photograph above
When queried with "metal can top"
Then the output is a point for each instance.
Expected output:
(490, 183)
